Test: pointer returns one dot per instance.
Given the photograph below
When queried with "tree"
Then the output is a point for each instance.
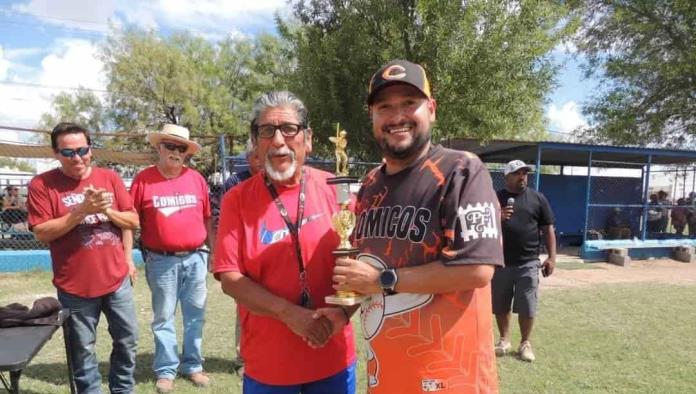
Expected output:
(8, 162)
(644, 51)
(488, 61)
(83, 107)
(187, 80)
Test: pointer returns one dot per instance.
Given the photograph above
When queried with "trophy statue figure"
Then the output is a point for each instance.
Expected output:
(341, 143)
(344, 219)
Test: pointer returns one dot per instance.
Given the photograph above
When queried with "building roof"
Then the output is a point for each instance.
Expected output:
(570, 154)
(99, 154)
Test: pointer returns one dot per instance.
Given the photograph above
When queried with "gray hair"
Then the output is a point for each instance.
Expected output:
(277, 98)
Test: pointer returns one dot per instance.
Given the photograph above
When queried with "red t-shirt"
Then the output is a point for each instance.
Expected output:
(253, 240)
(172, 211)
(88, 261)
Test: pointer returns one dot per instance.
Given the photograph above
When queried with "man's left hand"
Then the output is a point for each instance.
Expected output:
(357, 276)
(548, 266)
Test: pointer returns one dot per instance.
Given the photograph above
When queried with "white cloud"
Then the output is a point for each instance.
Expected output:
(22, 105)
(202, 16)
(566, 47)
(80, 14)
(213, 18)
(4, 65)
(566, 118)
(71, 64)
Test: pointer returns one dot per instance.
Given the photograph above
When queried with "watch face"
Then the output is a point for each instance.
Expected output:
(387, 279)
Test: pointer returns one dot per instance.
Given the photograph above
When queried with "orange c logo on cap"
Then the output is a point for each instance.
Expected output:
(394, 72)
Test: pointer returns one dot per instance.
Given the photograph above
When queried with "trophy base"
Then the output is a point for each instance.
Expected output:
(342, 180)
(343, 300)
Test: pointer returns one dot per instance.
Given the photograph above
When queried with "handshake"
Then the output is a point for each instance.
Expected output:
(97, 200)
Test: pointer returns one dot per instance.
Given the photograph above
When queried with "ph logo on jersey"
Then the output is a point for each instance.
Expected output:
(478, 221)
(432, 385)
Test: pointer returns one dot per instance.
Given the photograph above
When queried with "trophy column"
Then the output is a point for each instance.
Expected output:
(344, 219)
(344, 222)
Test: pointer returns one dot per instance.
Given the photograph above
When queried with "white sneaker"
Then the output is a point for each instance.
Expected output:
(525, 352)
(502, 347)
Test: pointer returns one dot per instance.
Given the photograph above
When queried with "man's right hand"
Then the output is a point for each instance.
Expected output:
(96, 200)
(301, 321)
(506, 212)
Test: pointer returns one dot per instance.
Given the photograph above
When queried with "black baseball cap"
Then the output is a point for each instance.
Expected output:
(398, 71)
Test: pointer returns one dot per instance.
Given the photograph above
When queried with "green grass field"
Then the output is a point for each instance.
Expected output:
(630, 338)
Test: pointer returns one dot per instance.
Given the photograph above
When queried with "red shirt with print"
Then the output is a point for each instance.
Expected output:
(172, 211)
(88, 261)
(254, 240)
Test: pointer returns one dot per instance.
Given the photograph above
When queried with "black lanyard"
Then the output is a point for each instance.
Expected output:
(294, 229)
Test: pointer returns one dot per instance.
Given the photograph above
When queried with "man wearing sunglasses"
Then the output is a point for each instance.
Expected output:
(273, 255)
(174, 207)
(86, 216)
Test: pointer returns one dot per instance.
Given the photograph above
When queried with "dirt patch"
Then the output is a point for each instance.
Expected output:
(657, 270)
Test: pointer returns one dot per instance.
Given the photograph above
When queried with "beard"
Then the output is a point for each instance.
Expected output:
(418, 141)
(280, 176)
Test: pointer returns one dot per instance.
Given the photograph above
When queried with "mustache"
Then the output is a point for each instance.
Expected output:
(280, 151)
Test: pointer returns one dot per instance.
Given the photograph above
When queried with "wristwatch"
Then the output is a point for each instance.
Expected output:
(388, 280)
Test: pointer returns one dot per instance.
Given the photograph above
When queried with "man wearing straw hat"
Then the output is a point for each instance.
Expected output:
(174, 207)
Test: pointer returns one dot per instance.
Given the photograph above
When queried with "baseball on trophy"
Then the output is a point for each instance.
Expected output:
(343, 220)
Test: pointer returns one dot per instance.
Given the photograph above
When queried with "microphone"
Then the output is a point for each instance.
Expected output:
(511, 201)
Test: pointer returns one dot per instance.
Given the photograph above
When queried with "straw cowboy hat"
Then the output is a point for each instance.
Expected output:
(174, 133)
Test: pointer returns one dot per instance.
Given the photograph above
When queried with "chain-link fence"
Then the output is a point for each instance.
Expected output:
(25, 153)
(627, 202)
(637, 203)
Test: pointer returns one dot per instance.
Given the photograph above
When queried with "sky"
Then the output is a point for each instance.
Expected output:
(49, 46)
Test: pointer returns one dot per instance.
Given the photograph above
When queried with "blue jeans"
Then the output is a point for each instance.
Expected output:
(175, 279)
(119, 310)
(340, 383)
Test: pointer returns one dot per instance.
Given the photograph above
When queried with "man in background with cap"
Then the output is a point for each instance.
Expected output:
(174, 207)
(428, 230)
(86, 216)
(525, 215)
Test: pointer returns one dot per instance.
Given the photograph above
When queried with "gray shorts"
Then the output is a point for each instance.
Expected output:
(518, 283)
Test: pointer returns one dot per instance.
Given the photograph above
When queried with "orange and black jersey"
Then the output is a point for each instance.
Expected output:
(442, 207)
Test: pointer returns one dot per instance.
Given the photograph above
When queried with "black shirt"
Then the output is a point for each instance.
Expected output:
(521, 231)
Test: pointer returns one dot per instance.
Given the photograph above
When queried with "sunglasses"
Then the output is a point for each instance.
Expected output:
(174, 147)
(72, 152)
(287, 130)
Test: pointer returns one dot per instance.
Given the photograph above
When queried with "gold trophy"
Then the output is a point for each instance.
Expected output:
(344, 219)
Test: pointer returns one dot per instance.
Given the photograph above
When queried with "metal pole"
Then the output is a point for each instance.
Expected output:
(645, 199)
(587, 198)
(538, 168)
(223, 157)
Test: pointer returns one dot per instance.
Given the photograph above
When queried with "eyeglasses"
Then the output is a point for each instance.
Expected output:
(72, 152)
(287, 130)
(172, 147)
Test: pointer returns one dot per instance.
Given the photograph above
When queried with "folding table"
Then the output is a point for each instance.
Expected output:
(19, 345)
